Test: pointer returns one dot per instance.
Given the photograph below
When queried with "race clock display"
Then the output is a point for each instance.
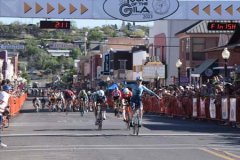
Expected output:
(55, 24)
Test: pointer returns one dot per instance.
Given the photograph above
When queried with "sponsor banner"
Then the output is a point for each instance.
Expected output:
(202, 107)
(233, 111)
(224, 108)
(106, 63)
(194, 113)
(140, 10)
(127, 10)
(212, 108)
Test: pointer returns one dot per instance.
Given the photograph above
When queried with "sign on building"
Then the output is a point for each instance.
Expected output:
(153, 71)
(11, 46)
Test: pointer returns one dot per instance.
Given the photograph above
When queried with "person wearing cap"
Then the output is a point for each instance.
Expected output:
(4, 97)
(136, 101)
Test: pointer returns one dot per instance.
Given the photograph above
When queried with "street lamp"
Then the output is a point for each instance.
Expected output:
(85, 43)
(178, 65)
(225, 56)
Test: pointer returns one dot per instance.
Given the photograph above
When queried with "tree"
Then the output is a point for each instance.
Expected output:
(22, 66)
(95, 35)
(26, 76)
(76, 52)
(109, 31)
(138, 33)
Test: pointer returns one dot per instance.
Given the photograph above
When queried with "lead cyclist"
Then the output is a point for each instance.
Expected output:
(136, 100)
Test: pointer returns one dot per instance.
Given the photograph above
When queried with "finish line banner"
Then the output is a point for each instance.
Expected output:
(127, 10)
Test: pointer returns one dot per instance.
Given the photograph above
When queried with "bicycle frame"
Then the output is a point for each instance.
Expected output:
(99, 115)
(128, 113)
(135, 120)
(118, 106)
(82, 106)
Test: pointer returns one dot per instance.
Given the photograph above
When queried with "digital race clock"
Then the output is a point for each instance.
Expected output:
(230, 26)
(55, 24)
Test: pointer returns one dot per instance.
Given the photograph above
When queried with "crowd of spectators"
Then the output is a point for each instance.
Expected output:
(212, 88)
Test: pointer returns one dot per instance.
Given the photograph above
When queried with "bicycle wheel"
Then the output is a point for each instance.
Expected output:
(136, 125)
(81, 109)
(68, 108)
(127, 118)
(100, 120)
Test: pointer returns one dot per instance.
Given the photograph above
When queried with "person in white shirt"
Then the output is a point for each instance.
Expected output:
(4, 97)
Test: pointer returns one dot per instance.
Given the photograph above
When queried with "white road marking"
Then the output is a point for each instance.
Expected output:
(107, 134)
(110, 147)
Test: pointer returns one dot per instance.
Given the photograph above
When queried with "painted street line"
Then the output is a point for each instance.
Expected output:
(105, 134)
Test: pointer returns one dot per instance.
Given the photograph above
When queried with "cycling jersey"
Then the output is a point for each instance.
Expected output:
(137, 91)
(68, 94)
(116, 93)
(83, 96)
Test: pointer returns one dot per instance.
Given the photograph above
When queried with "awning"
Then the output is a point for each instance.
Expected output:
(154, 63)
(203, 67)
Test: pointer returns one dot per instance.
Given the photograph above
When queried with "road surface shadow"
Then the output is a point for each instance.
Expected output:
(163, 123)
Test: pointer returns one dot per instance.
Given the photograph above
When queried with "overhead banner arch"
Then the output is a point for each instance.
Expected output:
(127, 10)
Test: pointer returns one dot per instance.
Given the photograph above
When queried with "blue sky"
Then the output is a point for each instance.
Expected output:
(80, 23)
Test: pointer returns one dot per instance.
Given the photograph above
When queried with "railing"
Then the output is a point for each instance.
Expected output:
(219, 108)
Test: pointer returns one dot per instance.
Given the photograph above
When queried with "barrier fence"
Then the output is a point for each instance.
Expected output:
(219, 108)
(16, 103)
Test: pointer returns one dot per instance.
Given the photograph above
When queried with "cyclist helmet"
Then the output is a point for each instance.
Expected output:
(100, 93)
(126, 91)
(7, 88)
(89, 92)
(139, 78)
(115, 88)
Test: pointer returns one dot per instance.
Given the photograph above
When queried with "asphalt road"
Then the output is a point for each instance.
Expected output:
(50, 136)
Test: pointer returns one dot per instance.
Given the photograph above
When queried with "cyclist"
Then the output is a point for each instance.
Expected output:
(51, 102)
(136, 101)
(116, 95)
(90, 102)
(36, 103)
(69, 96)
(59, 99)
(83, 97)
(126, 96)
(4, 97)
(99, 98)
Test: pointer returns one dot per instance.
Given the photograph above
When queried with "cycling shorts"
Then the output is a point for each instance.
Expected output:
(59, 99)
(136, 103)
(116, 98)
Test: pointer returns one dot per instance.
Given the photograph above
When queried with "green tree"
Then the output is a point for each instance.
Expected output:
(76, 52)
(95, 35)
(109, 31)
(138, 33)
(26, 76)
(22, 66)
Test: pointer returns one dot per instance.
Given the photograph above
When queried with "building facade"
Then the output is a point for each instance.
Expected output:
(164, 45)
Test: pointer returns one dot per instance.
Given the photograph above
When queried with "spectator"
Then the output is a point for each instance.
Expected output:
(4, 97)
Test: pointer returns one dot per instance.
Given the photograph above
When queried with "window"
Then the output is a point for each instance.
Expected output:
(198, 45)
(158, 52)
(185, 48)
(122, 64)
